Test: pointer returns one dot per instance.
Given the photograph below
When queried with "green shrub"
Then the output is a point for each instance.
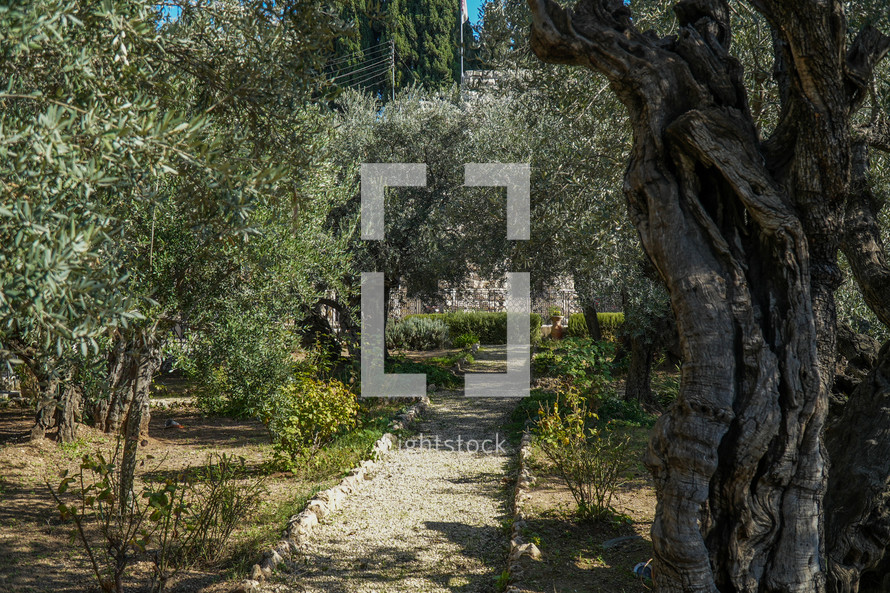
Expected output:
(417, 333)
(535, 327)
(589, 459)
(610, 325)
(240, 364)
(581, 362)
(577, 326)
(434, 374)
(306, 415)
(465, 340)
(491, 328)
(619, 411)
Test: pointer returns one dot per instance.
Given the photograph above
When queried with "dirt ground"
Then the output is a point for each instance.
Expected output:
(36, 554)
(574, 558)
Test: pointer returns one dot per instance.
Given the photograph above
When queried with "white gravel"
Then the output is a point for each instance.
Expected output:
(429, 520)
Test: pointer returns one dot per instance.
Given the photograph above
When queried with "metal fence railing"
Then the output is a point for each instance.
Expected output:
(492, 300)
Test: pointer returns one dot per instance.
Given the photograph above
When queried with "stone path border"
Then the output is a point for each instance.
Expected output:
(300, 526)
(518, 546)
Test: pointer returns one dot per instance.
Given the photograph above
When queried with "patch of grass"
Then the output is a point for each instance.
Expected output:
(74, 449)
(623, 413)
(502, 580)
(450, 360)
(527, 409)
(532, 536)
(266, 528)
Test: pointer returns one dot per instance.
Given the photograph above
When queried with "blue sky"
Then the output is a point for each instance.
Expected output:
(473, 10)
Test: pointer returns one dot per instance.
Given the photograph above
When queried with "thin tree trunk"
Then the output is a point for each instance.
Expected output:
(639, 372)
(145, 361)
(387, 292)
(584, 288)
(45, 416)
(592, 320)
(69, 412)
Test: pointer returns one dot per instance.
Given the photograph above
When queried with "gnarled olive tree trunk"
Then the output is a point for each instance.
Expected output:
(857, 503)
(59, 406)
(133, 362)
(744, 232)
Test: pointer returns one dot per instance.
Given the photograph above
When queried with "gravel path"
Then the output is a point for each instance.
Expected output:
(429, 520)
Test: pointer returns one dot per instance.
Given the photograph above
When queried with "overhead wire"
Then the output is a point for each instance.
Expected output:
(385, 61)
(362, 50)
(366, 58)
(368, 77)
(362, 53)
(362, 63)
(375, 63)
(366, 81)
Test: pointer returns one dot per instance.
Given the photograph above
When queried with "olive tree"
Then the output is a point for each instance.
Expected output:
(115, 115)
(744, 225)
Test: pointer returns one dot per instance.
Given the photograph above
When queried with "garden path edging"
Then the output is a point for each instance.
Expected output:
(300, 526)
(518, 546)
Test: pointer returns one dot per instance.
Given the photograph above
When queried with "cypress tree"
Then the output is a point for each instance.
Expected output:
(425, 35)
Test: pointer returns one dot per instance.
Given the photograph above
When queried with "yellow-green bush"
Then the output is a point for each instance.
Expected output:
(306, 415)
(589, 457)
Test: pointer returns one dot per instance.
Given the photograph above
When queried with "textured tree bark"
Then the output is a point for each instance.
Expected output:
(60, 402)
(857, 520)
(132, 363)
(857, 355)
(744, 233)
(45, 417)
(639, 372)
(144, 360)
(588, 309)
(69, 413)
(857, 523)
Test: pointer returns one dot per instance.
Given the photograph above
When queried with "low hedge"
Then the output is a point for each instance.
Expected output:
(577, 327)
(610, 325)
(417, 333)
(491, 328)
